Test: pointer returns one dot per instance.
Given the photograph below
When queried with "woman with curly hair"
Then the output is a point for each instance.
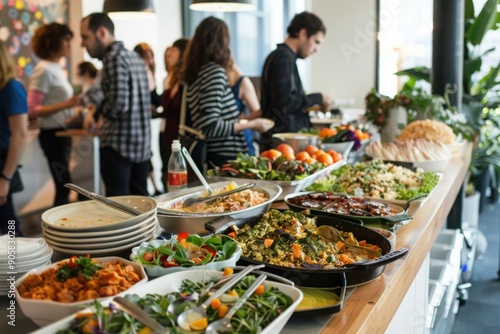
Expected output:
(50, 97)
(211, 106)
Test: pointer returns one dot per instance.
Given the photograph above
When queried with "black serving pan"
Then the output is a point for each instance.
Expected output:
(356, 274)
(388, 222)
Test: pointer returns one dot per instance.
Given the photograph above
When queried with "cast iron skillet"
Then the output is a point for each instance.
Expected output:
(400, 218)
(355, 274)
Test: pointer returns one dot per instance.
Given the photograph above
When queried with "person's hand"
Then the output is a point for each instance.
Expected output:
(73, 101)
(261, 124)
(89, 122)
(4, 190)
(327, 103)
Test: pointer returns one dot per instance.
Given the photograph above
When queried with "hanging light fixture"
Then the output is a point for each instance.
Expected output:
(128, 8)
(222, 5)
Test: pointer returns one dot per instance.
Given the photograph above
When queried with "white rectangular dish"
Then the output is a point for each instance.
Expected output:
(289, 187)
(170, 283)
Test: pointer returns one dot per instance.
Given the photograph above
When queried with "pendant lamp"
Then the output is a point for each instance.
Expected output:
(222, 5)
(128, 8)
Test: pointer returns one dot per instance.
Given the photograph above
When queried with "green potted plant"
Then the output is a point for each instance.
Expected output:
(481, 99)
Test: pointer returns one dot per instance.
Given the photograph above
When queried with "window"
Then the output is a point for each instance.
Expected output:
(254, 34)
(405, 40)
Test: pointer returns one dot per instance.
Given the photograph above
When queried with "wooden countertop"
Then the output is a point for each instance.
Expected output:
(77, 133)
(371, 307)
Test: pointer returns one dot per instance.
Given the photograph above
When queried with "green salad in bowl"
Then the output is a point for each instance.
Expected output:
(186, 251)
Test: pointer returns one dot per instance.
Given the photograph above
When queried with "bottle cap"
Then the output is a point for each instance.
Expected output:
(176, 145)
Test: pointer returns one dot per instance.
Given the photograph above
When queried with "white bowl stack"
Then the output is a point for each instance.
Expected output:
(93, 228)
(30, 253)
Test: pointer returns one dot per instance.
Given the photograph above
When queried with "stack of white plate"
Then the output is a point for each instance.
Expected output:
(29, 253)
(93, 228)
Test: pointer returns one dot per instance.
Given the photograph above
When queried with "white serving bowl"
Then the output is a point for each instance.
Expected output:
(170, 283)
(427, 165)
(44, 312)
(156, 271)
(194, 223)
(298, 141)
(433, 165)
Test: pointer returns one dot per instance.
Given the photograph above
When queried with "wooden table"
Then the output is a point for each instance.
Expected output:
(371, 307)
(94, 137)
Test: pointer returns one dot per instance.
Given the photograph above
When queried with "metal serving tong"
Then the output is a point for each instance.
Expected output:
(102, 199)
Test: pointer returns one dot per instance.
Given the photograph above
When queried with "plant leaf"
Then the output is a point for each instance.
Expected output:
(469, 9)
(417, 73)
(483, 22)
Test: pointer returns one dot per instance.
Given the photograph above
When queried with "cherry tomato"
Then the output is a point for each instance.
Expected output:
(210, 250)
(171, 263)
(71, 262)
(148, 256)
(88, 256)
(182, 236)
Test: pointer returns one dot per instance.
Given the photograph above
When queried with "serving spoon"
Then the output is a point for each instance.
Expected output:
(187, 317)
(112, 204)
(224, 325)
(198, 173)
(330, 233)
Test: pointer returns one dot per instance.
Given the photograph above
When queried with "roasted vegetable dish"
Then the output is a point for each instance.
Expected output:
(263, 306)
(289, 239)
(344, 205)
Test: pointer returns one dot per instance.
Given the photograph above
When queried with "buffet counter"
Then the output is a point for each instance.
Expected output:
(371, 308)
(374, 307)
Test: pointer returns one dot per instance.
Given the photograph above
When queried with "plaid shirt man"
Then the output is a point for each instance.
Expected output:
(127, 105)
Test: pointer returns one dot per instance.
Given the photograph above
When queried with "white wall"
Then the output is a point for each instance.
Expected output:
(344, 67)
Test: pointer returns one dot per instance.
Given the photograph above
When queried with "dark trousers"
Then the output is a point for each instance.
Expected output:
(8, 215)
(122, 176)
(57, 151)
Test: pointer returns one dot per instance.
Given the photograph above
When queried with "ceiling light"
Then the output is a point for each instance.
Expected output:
(222, 5)
(130, 9)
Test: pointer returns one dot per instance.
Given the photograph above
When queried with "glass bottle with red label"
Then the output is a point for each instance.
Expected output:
(177, 169)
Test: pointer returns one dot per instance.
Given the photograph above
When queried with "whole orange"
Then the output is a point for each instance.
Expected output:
(271, 154)
(285, 149)
(302, 156)
(311, 149)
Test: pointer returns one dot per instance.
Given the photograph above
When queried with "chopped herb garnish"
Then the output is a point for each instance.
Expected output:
(76, 266)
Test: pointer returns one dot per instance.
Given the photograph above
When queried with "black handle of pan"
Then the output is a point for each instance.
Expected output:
(402, 217)
(380, 261)
(221, 224)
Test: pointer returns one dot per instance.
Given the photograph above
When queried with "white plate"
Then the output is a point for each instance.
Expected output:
(102, 251)
(25, 247)
(87, 234)
(77, 238)
(28, 257)
(95, 216)
(170, 283)
(19, 265)
(96, 245)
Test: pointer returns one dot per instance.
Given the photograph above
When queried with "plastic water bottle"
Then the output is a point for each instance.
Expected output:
(177, 170)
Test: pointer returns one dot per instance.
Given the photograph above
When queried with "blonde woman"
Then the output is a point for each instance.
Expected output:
(13, 136)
